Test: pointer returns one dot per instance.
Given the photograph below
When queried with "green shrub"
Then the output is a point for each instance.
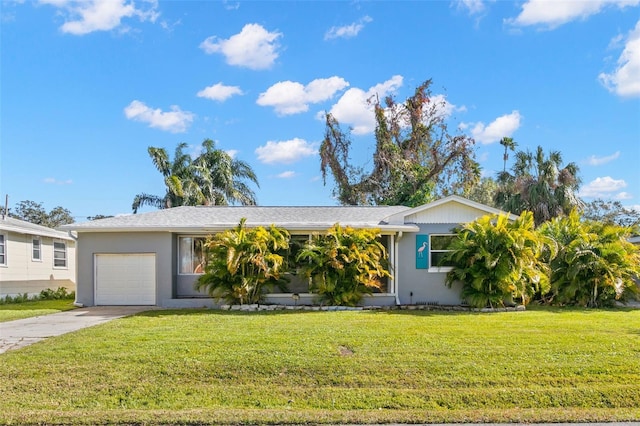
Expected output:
(596, 264)
(243, 263)
(57, 294)
(19, 298)
(48, 294)
(344, 264)
(498, 260)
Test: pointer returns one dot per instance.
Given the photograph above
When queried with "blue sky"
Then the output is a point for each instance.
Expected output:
(87, 86)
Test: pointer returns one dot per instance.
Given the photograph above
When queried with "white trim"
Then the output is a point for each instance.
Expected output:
(66, 254)
(4, 244)
(192, 236)
(39, 239)
(438, 268)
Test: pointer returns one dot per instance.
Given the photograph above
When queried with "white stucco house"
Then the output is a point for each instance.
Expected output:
(153, 258)
(34, 258)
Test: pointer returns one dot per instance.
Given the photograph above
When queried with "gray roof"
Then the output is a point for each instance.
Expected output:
(21, 227)
(216, 218)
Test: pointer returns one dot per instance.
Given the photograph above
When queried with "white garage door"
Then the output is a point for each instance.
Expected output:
(125, 279)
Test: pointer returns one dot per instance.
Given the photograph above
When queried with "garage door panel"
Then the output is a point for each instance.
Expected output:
(125, 279)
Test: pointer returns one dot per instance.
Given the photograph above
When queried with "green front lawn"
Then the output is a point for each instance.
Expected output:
(208, 366)
(14, 311)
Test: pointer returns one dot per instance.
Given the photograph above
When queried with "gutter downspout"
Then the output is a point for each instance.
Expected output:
(395, 265)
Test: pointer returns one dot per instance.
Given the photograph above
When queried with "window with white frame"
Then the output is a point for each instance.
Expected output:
(3, 250)
(438, 247)
(36, 249)
(59, 254)
(192, 257)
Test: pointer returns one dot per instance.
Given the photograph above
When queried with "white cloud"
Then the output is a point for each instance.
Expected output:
(285, 152)
(355, 109)
(623, 196)
(597, 161)
(286, 175)
(254, 47)
(625, 79)
(57, 182)
(86, 16)
(603, 187)
(219, 92)
(503, 126)
(174, 121)
(347, 31)
(289, 97)
(552, 14)
(474, 7)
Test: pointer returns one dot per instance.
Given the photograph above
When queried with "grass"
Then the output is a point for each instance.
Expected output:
(14, 311)
(213, 367)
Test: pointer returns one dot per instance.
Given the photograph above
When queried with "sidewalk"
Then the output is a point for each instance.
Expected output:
(19, 333)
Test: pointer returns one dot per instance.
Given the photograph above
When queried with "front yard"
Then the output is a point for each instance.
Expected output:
(14, 311)
(205, 366)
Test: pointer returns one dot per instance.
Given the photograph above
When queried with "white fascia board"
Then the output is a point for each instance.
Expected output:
(384, 228)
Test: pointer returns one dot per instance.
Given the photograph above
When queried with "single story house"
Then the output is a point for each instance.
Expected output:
(34, 258)
(154, 258)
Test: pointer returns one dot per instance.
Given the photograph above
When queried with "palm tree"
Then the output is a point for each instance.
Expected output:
(508, 143)
(244, 262)
(222, 179)
(539, 184)
(497, 260)
(176, 173)
(345, 264)
(595, 266)
(212, 178)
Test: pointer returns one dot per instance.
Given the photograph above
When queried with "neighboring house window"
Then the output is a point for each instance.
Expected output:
(59, 254)
(438, 247)
(3, 249)
(191, 255)
(36, 249)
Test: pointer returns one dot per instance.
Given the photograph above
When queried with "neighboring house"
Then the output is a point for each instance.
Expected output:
(155, 258)
(34, 258)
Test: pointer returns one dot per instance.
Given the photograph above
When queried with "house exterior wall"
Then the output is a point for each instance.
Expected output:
(423, 286)
(92, 243)
(22, 274)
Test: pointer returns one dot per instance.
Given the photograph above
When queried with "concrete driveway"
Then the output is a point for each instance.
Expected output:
(19, 333)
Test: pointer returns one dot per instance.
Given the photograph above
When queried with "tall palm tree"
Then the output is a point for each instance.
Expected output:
(508, 143)
(539, 184)
(221, 179)
(212, 178)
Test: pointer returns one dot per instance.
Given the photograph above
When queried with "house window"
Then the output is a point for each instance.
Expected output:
(3, 250)
(438, 248)
(59, 254)
(36, 249)
(298, 282)
(192, 257)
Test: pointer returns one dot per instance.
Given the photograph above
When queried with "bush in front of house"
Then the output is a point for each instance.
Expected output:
(244, 263)
(596, 264)
(344, 265)
(47, 294)
(499, 261)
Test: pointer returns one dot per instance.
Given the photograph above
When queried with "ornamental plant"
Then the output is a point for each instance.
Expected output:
(498, 260)
(596, 264)
(244, 263)
(344, 264)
